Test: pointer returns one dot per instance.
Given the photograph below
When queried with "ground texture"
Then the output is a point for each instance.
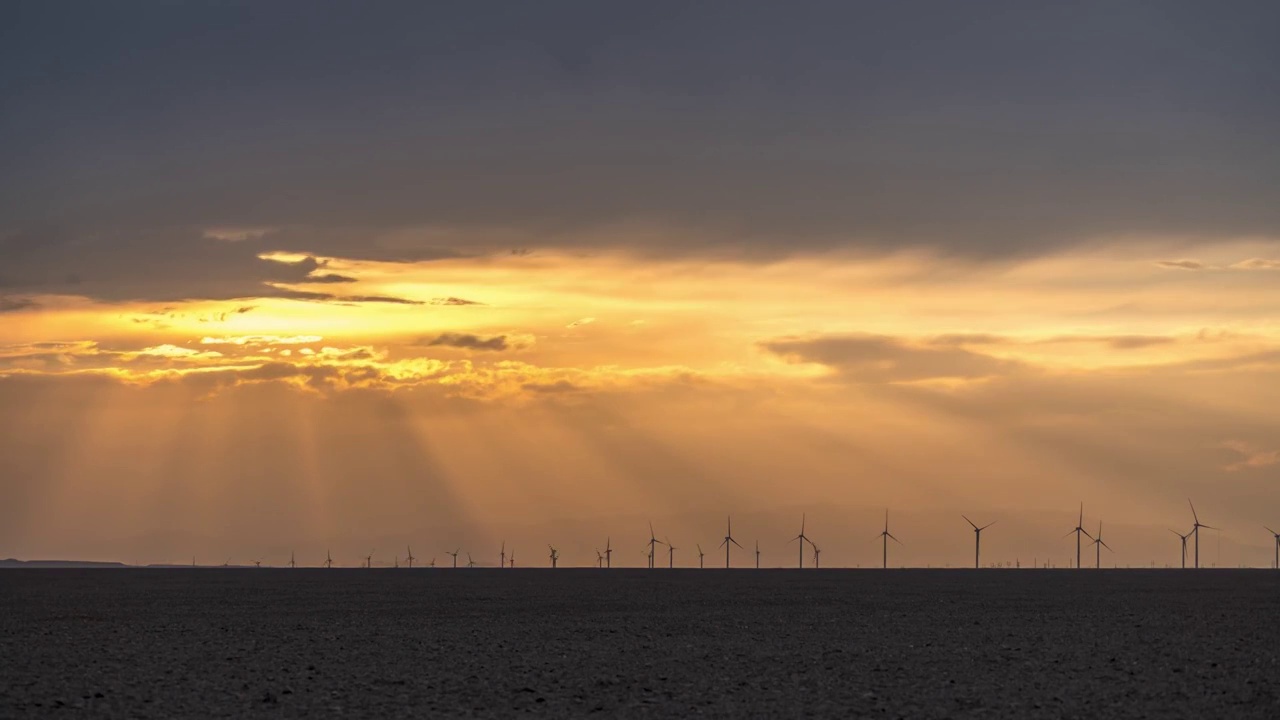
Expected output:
(634, 643)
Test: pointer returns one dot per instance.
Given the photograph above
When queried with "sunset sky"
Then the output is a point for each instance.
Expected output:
(349, 276)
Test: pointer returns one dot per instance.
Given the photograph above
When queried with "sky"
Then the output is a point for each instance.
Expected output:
(354, 277)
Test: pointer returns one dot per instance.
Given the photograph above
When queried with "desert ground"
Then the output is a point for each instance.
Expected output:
(638, 643)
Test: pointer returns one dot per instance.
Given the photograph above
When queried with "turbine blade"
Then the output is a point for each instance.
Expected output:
(1086, 533)
(891, 537)
(966, 519)
(723, 543)
(1106, 546)
(984, 527)
(1069, 534)
(735, 542)
(1193, 511)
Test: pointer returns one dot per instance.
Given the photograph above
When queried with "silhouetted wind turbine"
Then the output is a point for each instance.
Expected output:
(608, 552)
(410, 556)
(470, 563)
(1276, 535)
(257, 563)
(977, 540)
(1184, 546)
(432, 563)
(728, 540)
(1078, 530)
(555, 555)
(671, 554)
(885, 537)
(599, 558)
(802, 538)
(757, 554)
(700, 556)
(653, 543)
(1196, 529)
(817, 551)
(455, 557)
(502, 555)
(292, 563)
(1098, 544)
(368, 559)
(328, 559)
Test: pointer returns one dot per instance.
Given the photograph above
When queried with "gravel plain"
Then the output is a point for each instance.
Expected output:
(637, 643)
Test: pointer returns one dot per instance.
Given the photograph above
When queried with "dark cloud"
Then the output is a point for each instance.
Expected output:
(8, 304)
(330, 278)
(454, 301)
(469, 342)
(759, 129)
(882, 359)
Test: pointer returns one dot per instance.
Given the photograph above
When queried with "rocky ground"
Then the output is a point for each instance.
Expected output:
(387, 643)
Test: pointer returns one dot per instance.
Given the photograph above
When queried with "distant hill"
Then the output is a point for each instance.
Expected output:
(12, 563)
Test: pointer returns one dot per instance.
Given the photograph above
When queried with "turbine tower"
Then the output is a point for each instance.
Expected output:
(977, 540)
(1078, 530)
(455, 557)
(1098, 544)
(1276, 535)
(817, 551)
(802, 538)
(1196, 529)
(410, 558)
(728, 540)
(368, 559)
(885, 537)
(502, 556)
(700, 556)
(599, 558)
(292, 562)
(671, 555)
(328, 559)
(757, 554)
(555, 556)
(608, 552)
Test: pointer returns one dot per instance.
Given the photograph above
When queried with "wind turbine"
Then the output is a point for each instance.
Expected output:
(671, 554)
(802, 538)
(1196, 529)
(653, 543)
(728, 540)
(292, 564)
(257, 563)
(1184, 546)
(410, 556)
(1276, 535)
(816, 552)
(395, 561)
(700, 556)
(977, 539)
(328, 559)
(885, 537)
(608, 552)
(555, 555)
(1078, 530)
(757, 554)
(502, 555)
(470, 563)
(455, 557)
(368, 559)
(432, 563)
(512, 557)
(1098, 544)
(599, 558)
